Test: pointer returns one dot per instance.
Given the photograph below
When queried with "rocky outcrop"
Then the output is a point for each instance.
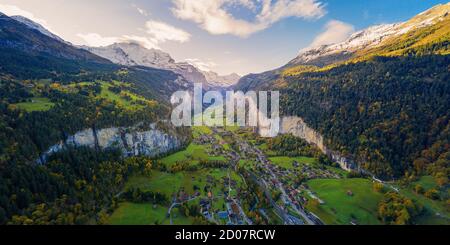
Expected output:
(297, 127)
(132, 141)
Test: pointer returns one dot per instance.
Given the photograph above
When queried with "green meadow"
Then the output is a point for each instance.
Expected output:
(287, 162)
(435, 211)
(342, 208)
(145, 214)
(169, 184)
(36, 104)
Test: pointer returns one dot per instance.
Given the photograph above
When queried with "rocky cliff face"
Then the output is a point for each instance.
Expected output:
(131, 141)
(297, 127)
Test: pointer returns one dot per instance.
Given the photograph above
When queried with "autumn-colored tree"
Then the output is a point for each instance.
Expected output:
(378, 187)
(432, 194)
(395, 209)
(418, 189)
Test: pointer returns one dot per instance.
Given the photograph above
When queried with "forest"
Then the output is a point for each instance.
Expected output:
(390, 113)
(77, 185)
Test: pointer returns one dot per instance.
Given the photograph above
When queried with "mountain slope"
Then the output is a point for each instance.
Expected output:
(132, 54)
(367, 40)
(426, 33)
(18, 36)
(49, 91)
(33, 25)
(383, 113)
(215, 80)
(380, 97)
(29, 53)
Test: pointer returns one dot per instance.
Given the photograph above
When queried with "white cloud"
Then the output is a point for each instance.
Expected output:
(335, 32)
(164, 32)
(249, 4)
(158, 32)
(202, 65)
(212, 16)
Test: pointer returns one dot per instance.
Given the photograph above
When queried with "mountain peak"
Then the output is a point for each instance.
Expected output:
(134, 54)
(36, 26)
(217, 80)
(436, 10)
(368, 38)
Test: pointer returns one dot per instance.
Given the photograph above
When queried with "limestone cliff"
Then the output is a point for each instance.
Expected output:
(132, 141)
(297, 127)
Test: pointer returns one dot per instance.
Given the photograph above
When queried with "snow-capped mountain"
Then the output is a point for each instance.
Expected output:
(216, 80)
(367, 38)
(133, 54)
(33, 25)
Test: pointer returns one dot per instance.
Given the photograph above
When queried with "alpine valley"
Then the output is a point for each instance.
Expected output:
(86, 137)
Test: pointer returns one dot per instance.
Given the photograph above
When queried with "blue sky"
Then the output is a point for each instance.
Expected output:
(243, 36)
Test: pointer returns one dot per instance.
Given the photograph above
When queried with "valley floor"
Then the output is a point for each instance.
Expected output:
(229, 176)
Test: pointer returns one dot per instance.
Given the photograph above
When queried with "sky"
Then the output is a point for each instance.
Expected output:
(225, 36)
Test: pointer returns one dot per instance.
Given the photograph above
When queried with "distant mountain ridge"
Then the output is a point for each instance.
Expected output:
(133, 54)
(216, 80)
(368, 38)
(379, 98)
(37, 26)
(423, 31)
(30, 53)
(26, 38)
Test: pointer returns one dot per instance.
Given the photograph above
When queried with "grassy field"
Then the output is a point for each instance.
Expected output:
(159, 181)
(266, 150)
(36, 104)
(199, 130)
(427, 182)
(129, 104)
(341, 208)
(287, 162)
(145, 214)
(432, 207)
(137, 214)
(193, 153)
(246, 164)
(170, 183)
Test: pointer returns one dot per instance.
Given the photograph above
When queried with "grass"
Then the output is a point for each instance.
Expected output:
(266, 150)
(199, 130)
(287, 162)
(246, 164)
(36, 104)
(431, 207)
(162, 182)
(117, 98)
(341, 208)
(170, 183)
(193, 153)
(185, 155)
(145, 214)
(137, 214)
(427, 182)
